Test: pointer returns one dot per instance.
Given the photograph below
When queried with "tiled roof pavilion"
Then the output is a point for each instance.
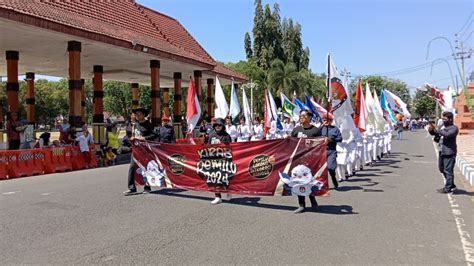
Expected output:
(121, 35)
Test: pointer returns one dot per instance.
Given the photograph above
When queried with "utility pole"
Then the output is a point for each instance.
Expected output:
(461, 55)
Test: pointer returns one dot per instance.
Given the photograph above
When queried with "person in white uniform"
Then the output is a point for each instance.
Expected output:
(243, 131)
(257, 130)
(231, 129)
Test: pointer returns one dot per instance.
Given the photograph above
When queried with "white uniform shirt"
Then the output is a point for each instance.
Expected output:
(243, 133)
(232, 130)
(257, 132)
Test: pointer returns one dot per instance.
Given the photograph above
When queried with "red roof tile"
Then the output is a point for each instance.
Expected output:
(123, 20)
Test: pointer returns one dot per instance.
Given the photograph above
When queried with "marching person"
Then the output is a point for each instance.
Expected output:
(446, 138)
(144, 131)
(217, 136)
(166, 131)
(305, 130)
(333, 136)
(287, 127)
(243, 131)
(231, 129)
(257, 130)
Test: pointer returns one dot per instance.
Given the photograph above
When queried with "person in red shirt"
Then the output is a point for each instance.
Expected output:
(13, 131)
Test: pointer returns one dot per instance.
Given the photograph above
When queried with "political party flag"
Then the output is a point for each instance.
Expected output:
(360, 114)
(193, 108)
(289, 108)
(222, 109)
(234, 103)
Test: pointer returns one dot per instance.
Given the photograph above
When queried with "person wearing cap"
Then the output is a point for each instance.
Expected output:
(166, 131)
(333, 136)
(306, 130)
(218, 136)
(144, 131)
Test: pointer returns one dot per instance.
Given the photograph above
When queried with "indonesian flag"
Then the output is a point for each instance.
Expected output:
(268, 114)
(360, 114)
(193, 109)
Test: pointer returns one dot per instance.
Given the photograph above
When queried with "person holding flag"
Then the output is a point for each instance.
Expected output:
(231, 129)
(333, 136)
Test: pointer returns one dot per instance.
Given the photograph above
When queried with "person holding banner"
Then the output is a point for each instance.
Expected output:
(306, 130)
(218, 136)
(144, 131)
(333, 136)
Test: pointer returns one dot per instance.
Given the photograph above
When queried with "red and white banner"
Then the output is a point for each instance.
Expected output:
(283, 167)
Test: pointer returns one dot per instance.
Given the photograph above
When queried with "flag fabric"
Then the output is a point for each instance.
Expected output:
(388, 112)
(289, 108)
(396, 104)
(247, 113)
(340, 103)
(378, 108)
(222, 109)
(438, 95)
(448, 99)
(267, 115)
(320, 109)
(274, 110)
(234, 103)
(193, 108)
(312, 108)
(373, 115)
(360, 114)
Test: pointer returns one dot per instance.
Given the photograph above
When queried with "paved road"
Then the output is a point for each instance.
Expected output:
(388, 214)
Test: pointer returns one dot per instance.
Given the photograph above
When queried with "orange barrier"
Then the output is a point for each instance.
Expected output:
(3, 165)
(25, 163)
(57, 160)
(77, 159)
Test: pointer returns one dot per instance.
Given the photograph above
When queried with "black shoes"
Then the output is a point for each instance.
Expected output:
(446, 191)
(146, 191)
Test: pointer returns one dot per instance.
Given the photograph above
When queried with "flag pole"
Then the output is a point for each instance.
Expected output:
(328, 88)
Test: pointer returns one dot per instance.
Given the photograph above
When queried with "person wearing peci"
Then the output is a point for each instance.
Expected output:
(305, 130)
(144, 131)
(333, 136)
(446, 138)
(218, 136)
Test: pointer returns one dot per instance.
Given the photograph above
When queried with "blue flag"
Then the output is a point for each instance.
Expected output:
(390, 115)
(311, 107)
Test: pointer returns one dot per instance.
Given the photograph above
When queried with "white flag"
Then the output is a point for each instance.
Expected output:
(247, 112)
(397, 104)
(234, 102)
(222, 107)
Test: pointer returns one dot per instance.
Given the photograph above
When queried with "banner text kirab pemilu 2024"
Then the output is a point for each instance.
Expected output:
(283, 167)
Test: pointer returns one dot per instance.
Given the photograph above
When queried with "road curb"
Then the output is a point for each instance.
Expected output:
(466, 169)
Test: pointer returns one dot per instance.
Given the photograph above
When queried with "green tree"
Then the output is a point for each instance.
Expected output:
(423, 105)
(248, 46)
(258, 30)
(284, 77)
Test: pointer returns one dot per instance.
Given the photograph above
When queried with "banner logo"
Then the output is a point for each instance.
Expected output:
(261, 166)
(176, 164)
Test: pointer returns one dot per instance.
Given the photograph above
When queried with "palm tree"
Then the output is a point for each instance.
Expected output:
(283, 78)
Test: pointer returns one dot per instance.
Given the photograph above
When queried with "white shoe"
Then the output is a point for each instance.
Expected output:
(216, 201)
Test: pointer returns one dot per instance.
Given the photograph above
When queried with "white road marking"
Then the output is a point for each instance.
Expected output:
(464, 235)
(10, 193)
(46, 194)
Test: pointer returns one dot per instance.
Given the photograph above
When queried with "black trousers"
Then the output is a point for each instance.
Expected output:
(446, 167)
(302, 203)
(14, 144)
(131, 177)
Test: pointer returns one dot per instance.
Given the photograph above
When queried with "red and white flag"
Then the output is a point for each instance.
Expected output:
(360, 114)
(193, 109)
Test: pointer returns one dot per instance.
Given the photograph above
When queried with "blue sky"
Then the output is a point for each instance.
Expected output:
(366, 37)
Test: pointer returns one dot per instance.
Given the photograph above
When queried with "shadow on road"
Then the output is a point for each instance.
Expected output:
(463, 192)
(255, 202)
